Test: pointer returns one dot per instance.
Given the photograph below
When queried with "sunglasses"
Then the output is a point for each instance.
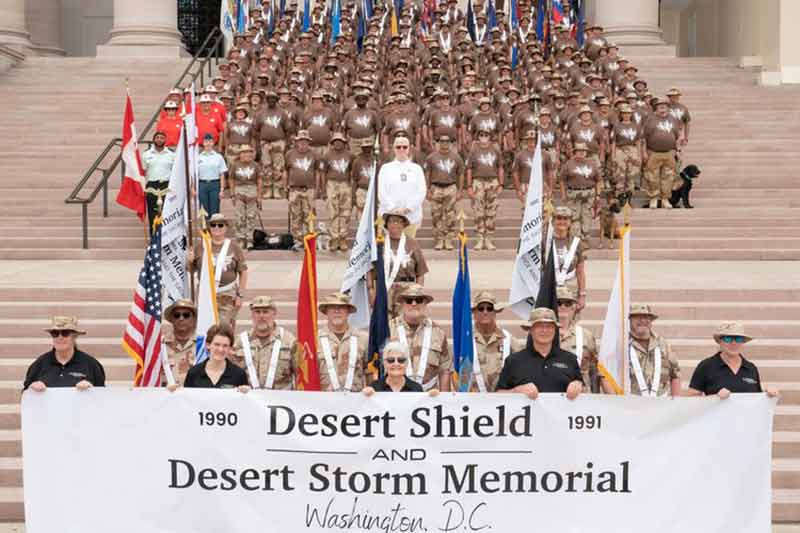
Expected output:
(416, 300)
(732, 338)
(565, 303)
(186, 315)
(393, 360)
(217, 225)
(61, 333)
(401, 147)
(485, 308)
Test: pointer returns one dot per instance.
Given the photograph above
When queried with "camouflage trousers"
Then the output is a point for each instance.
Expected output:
(340, 207)
(361, 199)
(627, 169)
(581, 204)
(247, 216)
(272, 162)
(301, 203)
(443, 211)
(659, 174)
(550, 177)
(484, 205)
(227, 310)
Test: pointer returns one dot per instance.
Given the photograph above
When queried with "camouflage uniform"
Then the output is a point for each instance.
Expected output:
(484, 205)
(588, 359)
(246, 178)
(439, 356)
(490, 356)
(340, 353)
(670, 369)
(286, 368)
(180, 355)
(301, 203)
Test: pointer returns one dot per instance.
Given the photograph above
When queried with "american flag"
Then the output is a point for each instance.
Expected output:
(142, 338)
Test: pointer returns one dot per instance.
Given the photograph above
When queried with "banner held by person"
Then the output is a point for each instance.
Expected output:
(216, 460)
(528, 266)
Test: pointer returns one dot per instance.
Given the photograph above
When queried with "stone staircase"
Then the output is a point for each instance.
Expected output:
(690, 265)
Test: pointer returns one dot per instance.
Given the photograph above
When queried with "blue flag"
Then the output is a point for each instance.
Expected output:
(491, 15)
(463, 347)
(241, 17)
(379, 319)
(541, 13)
(581, 22)
(283, 7)
(361, 29)
(336, 17)
(471, 21)
(306, 15)
(513, 26)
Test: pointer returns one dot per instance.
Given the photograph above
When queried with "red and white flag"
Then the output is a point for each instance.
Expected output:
(131, 193)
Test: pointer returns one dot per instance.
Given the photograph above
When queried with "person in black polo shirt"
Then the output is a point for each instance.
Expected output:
(217, 372)
(541, 366)
(727, 371)
(395, 365)
(65, 365)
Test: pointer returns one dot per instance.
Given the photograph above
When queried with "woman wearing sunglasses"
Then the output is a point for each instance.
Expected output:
(727, 371)
(65, 365)
(395, 364)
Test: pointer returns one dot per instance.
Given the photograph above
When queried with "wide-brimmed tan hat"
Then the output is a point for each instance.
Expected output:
(337, 299)
(65, 323)
(565, 293)
(735, 329)
(486, 297)
(416, 290)
(262, 302)
(540, 315)
(396, 213)
(642, 309)
(180, 304)
(563, 211)
(218, 217)
(302, 135)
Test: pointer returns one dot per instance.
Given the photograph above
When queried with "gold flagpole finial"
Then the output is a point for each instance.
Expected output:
(626, 214)
(310, 219)
(379, 224)
(460, 217)
(548, 208)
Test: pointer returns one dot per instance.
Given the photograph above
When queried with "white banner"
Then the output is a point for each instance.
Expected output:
(174, 231)
(274, 461)
(527, 273)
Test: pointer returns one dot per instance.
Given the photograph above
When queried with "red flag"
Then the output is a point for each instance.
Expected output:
(306, 356)
(131, 193)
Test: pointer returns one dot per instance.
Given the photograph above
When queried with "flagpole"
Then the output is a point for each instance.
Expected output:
(188, 197)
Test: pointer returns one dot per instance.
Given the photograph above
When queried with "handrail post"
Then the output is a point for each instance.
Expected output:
(105, 196)
(85, 222)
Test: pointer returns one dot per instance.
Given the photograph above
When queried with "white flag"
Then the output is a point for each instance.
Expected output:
(207, 313)
(528, 268)
(361, 257)
(227, 23)
(174, 231)
(612, 358)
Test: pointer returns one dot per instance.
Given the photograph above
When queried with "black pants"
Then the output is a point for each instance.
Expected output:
(153, 209)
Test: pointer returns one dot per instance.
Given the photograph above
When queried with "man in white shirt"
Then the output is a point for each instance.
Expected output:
(401, 185)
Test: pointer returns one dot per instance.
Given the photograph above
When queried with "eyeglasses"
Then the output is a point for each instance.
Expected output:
(485, 308)
(401, 147)
(732, 338)
(182, 315)
(61, 333)
(393, 360)
(565, 303)
(217, 225)
(415, 300)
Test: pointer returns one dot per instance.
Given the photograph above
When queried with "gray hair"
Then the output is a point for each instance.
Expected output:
(395, 347)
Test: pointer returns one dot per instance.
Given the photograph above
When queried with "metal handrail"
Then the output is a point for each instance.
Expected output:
(205, 54)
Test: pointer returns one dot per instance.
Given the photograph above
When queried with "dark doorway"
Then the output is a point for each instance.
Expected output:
(196, 19)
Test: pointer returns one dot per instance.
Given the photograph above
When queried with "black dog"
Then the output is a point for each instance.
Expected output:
(688, 175)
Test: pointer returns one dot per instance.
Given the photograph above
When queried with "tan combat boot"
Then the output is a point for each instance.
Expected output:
(489, 245)
(479, 243)
(439, 245)
(653, 203)
(448, 244)
(665, 204)
(343, 245)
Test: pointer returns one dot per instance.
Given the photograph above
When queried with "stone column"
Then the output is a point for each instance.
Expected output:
(13, 31)
(144, 28)
(44, 21)
(631, 22)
